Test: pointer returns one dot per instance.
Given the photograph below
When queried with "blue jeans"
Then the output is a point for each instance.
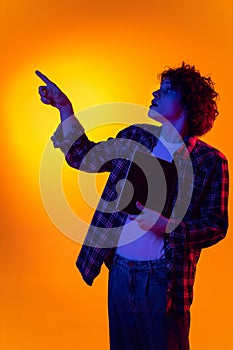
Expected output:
(137, 308)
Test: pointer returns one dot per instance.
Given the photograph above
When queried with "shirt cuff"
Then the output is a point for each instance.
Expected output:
(67, 133)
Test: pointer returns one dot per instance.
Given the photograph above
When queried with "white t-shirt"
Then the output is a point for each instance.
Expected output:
(134, 242)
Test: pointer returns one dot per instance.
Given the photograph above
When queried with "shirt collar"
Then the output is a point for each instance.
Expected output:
(185, 150)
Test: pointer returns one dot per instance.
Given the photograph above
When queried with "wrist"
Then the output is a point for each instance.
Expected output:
(163, 223)
(66, 111)
(160, 225)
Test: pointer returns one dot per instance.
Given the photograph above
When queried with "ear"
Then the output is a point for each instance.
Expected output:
(184, 113)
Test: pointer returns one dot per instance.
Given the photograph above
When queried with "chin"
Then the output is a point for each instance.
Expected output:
(153, 114)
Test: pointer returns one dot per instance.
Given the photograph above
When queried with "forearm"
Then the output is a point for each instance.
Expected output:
(66, 111)
(203, 227)
(197, 234)
(80, 152)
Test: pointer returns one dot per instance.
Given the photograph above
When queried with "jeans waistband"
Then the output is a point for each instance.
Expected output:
(139, 264)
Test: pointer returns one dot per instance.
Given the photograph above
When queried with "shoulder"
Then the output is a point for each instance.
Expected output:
(207, 149)
(205, 153)
(139, 130)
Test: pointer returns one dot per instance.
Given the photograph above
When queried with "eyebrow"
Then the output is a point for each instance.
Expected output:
(166, 85)
(166, 81)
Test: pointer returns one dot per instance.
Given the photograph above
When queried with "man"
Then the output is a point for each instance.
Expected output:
(152, 257)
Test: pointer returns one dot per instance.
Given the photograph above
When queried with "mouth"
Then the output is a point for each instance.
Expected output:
(154, 103)
(153, 106)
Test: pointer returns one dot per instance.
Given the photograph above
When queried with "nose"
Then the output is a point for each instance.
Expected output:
(156, 94)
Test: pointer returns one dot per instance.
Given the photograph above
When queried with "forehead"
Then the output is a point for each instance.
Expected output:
(167, 83)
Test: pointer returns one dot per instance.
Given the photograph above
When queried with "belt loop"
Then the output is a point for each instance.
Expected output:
(115, 258)
(151, 268)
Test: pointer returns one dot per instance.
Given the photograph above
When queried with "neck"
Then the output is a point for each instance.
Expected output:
(173, 131)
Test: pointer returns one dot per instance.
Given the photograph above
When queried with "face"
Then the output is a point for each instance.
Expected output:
(166, 102)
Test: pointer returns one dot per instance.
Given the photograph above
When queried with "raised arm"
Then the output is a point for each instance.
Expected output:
(70, 137)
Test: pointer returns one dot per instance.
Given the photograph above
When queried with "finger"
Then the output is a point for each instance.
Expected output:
(43, 77)
(45, 100)
(42, 90)
(139, 206)
(133, 217)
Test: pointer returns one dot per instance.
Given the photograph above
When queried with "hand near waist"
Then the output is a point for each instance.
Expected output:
(150, 220)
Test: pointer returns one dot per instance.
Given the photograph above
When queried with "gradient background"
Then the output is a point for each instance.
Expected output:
(97, 52)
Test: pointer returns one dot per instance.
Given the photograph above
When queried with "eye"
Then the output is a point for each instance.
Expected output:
(171, 91)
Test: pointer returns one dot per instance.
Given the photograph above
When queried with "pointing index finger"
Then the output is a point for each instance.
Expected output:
(43, 77)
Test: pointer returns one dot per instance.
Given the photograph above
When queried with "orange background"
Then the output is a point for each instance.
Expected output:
(97, 52)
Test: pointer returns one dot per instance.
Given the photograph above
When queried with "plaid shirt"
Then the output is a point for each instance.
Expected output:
(203, 224)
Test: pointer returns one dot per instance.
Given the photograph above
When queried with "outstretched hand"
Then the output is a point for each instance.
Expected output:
(50, 93)
(150, 219)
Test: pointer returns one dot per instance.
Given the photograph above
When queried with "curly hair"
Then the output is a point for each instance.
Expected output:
(198, 96)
